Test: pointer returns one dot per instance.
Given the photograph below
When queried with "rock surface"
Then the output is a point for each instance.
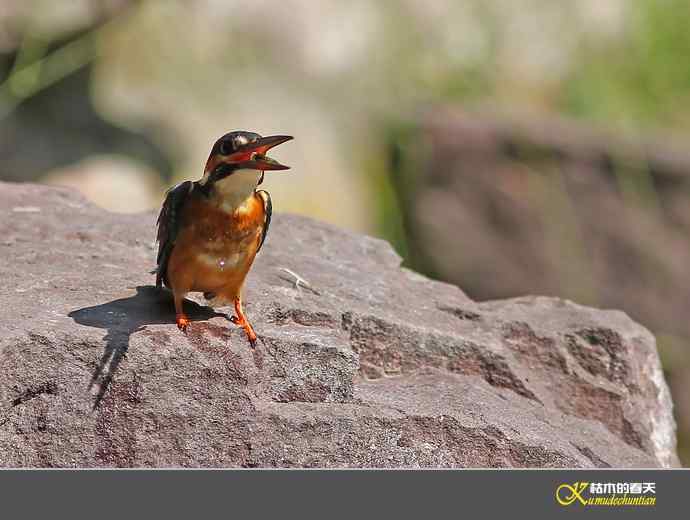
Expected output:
(376, 367)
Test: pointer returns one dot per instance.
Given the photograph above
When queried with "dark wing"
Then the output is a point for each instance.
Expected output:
(268, 211)
(168, 225)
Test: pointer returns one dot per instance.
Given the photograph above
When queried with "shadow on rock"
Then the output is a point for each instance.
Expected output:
(122, 317)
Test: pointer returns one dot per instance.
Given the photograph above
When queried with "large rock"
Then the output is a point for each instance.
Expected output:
(376, 366)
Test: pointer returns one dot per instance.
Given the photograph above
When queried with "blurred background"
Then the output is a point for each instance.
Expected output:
(510, 147)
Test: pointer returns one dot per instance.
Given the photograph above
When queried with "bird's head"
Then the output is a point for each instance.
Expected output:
(237, 163)
(242, 151)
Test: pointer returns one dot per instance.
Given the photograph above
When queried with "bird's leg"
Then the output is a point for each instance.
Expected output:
(180, 317)
(243, 322)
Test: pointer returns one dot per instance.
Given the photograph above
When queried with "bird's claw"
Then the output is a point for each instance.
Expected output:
(251, 335)
(182, 323)
(248, 330)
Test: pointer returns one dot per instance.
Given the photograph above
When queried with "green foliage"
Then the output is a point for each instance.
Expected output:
(640, 79)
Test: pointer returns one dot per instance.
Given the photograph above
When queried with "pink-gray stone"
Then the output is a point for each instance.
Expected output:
(377, 366)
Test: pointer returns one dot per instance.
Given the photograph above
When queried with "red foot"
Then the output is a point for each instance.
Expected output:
(248, 329)
(251, 335)
(182, 322)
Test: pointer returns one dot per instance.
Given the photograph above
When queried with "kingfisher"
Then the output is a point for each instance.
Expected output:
(210, 230)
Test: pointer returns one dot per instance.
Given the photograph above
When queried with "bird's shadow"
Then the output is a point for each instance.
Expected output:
(124, 316)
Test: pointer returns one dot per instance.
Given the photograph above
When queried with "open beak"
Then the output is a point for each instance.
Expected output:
(253, 155)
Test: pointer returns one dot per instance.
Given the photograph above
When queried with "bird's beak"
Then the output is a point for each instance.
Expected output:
(253, 155)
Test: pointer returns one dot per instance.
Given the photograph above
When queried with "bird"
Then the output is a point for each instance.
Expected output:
(210, 230)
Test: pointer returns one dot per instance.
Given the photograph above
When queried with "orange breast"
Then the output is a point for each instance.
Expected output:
(214, 248)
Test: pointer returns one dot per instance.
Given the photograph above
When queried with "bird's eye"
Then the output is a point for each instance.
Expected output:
(225, 147)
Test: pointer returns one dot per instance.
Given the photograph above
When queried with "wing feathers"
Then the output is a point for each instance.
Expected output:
(268, 212)
(168, 225)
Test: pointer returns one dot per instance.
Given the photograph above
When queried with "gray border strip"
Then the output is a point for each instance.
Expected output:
(326, 494)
